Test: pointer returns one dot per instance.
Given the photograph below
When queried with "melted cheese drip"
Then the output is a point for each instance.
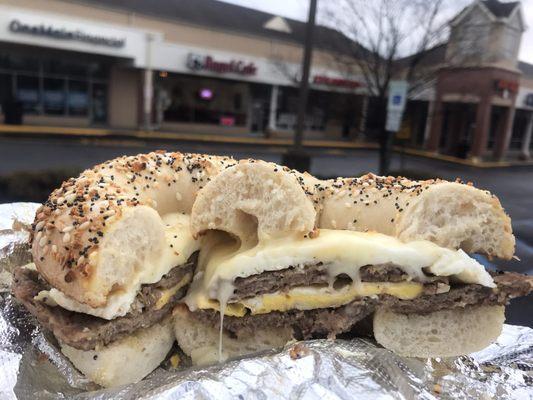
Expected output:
(341, 252)
(119, 303)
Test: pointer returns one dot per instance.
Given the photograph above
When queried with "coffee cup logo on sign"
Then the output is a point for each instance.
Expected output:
(194, 62)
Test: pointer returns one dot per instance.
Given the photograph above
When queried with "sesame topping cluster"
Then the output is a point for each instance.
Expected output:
(361, 189)
(70, 225)
(312, 187)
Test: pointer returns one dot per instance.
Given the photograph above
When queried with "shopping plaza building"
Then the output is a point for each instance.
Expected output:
(205, 66)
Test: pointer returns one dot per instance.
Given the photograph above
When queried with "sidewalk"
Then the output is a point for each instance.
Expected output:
(40, 131)
(161, 135)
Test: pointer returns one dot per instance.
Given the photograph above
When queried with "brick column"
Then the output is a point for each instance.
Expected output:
(481, 133)
(526, 138)
(147, 98)
(429, 120)
(503, 135)
(274, 94)
(433, 139)
(362, 122)
(455, 124)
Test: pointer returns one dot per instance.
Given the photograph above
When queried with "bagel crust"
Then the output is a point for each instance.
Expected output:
(451, 214)
(76, 219)
(260, 199)
(257, 200)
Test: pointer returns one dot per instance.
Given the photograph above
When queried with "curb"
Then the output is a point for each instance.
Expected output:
(13, 130)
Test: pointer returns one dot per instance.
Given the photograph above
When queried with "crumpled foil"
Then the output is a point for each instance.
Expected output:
(32, 367)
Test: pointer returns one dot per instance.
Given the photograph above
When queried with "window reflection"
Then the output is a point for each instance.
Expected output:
(28, 93)
(78, 98)
(54, 83)
(54, 96)
(99, 102)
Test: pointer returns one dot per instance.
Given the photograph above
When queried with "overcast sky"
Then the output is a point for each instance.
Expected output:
(297, 9)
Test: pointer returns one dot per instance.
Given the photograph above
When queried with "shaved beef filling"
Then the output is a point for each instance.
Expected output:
(333, 321)
(87, 332)
(285, 279)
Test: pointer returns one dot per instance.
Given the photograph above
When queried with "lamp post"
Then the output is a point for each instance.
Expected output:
(296, 157)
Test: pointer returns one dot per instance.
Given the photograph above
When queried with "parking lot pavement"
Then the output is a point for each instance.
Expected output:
(513, 186)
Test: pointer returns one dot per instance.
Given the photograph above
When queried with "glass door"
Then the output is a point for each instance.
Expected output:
(99, 103)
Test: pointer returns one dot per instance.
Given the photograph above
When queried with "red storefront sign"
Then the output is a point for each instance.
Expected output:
(339, 82)
(502, 84)
(197, 62)
(227, 121)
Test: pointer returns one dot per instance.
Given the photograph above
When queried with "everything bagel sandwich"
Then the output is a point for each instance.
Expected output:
(288, 256)
(113, 254)
(231, 258)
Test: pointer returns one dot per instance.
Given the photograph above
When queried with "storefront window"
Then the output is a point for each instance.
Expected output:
(520, 125)
(237, 102)
(287, 108)
(98, 70)
(54, 83)
(22, 63)
(99, 102)
(78, 98)
(28, 93)
(64, 67)
(203, 100)
(6, 89)
(5, 61)
(318, 109)
(54, 96)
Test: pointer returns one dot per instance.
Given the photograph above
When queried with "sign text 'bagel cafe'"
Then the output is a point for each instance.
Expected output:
(196, 62)
(62, 33)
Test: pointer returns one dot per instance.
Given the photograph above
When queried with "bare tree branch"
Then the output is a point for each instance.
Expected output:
(382, 31)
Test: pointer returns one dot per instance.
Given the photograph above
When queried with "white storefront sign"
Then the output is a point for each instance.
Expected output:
(524, 98)
(147, 49)
(180, 58)
(199, 62)
(60, 32)
(57, 31)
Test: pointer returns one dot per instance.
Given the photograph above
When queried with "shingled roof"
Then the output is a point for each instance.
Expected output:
(500, 9)
(526, 69)
(219, 15)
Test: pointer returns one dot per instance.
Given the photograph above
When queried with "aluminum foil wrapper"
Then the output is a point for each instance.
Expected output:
(32, 367)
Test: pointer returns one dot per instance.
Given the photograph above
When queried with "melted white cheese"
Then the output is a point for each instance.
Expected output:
(340, 251)
(180, 246)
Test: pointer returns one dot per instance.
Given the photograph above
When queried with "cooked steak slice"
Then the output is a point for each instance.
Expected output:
(509, 286)
(333, 321)
(87, 332)
(305, 324)
(272, 281)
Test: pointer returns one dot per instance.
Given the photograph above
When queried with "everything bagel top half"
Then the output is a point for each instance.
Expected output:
(115, 248)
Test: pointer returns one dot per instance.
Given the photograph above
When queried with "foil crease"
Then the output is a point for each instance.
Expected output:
(32, 367)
